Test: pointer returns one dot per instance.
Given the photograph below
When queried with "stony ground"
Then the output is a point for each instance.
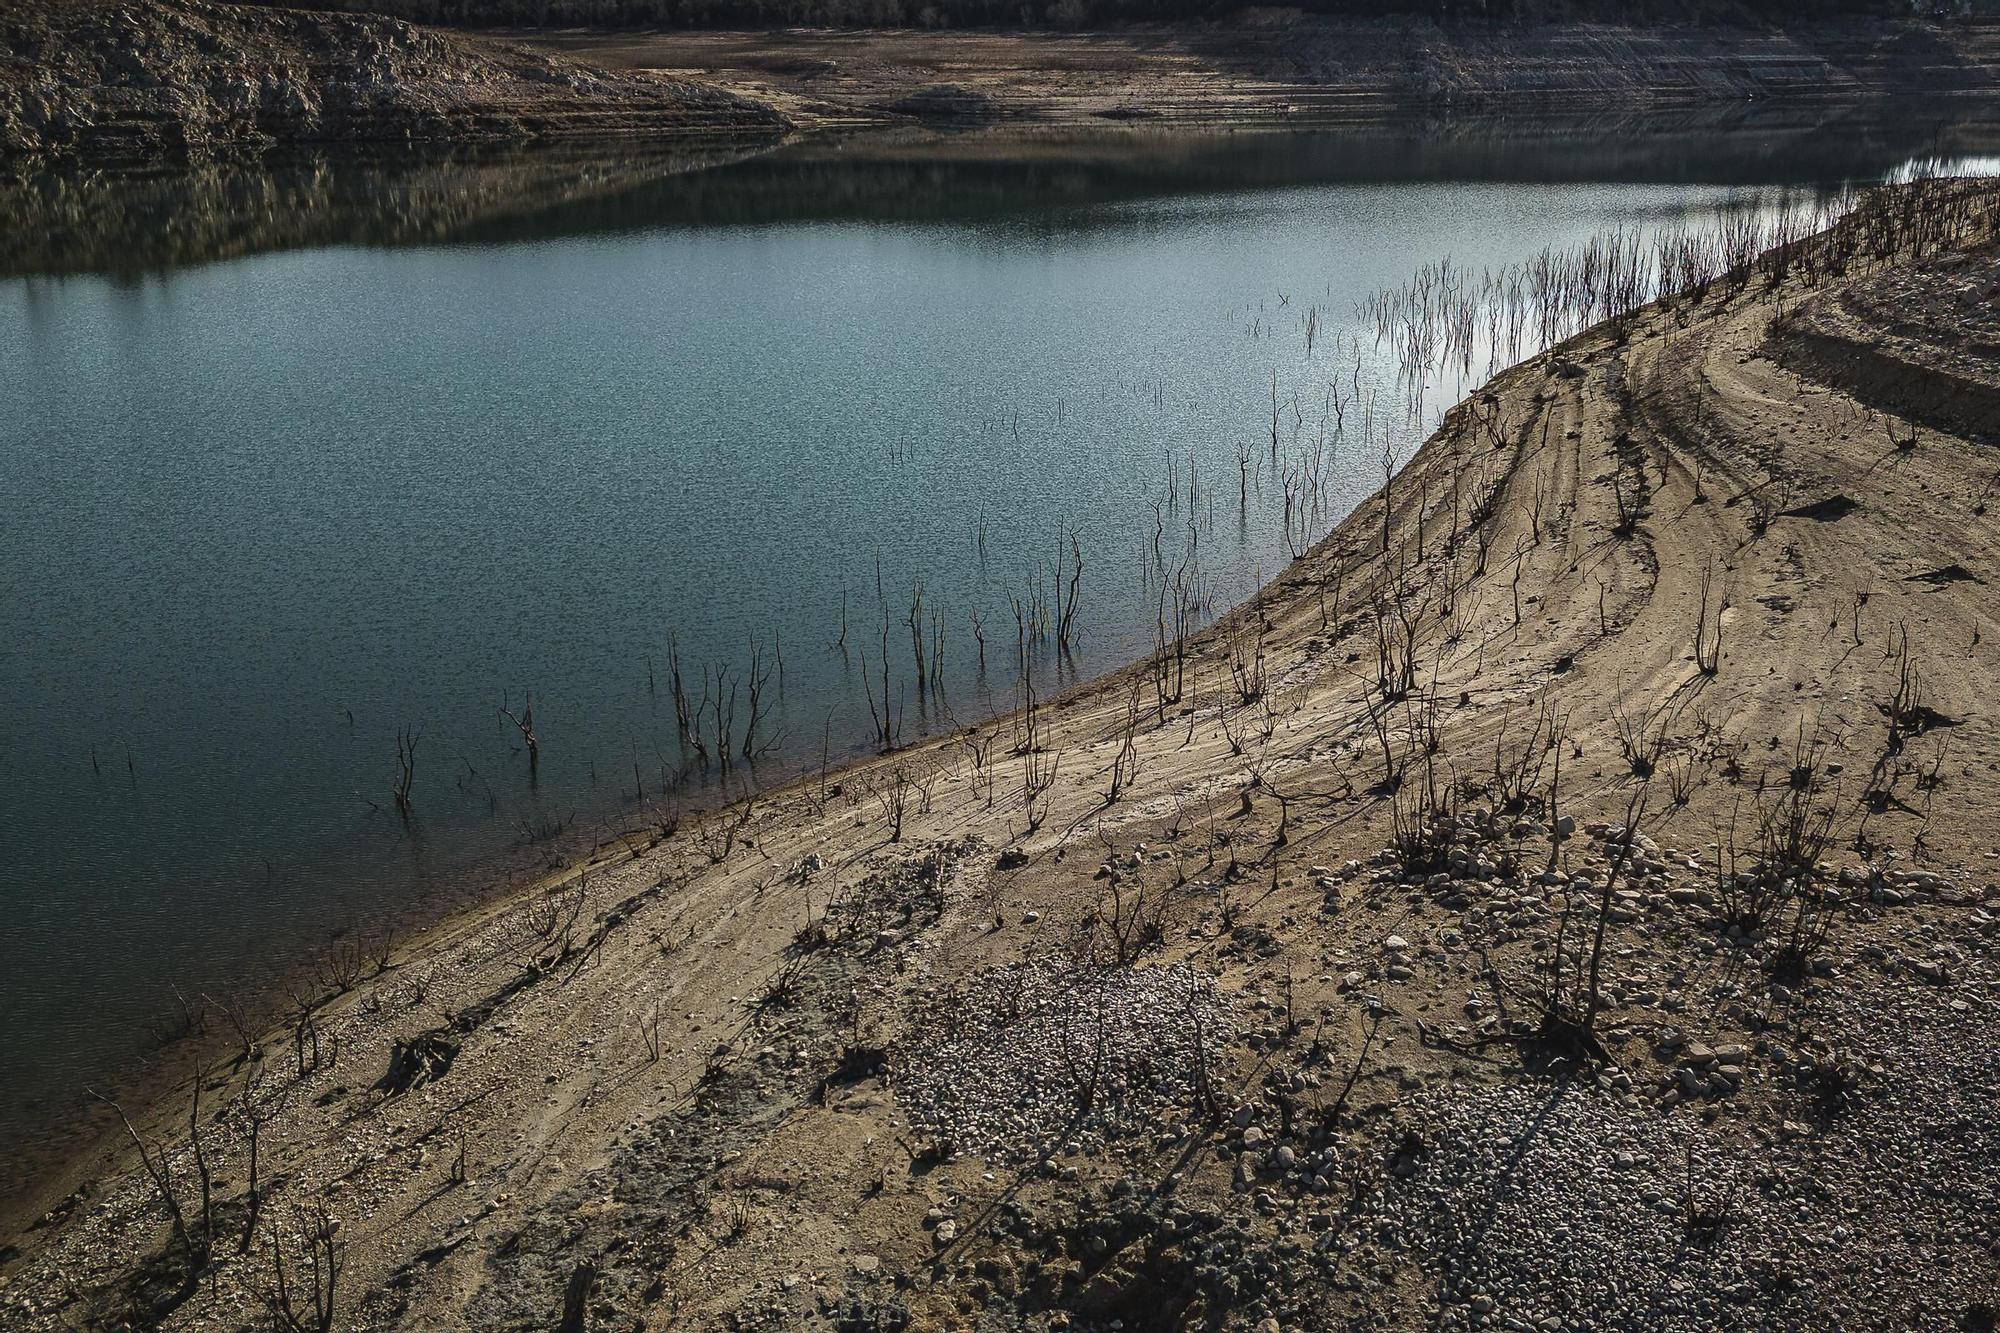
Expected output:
(1597, 971)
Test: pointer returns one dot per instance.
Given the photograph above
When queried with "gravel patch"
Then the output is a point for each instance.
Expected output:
(1553, 1205)
(1052, 1056)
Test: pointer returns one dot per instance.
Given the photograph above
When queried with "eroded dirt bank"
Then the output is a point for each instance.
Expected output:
(1307, 978)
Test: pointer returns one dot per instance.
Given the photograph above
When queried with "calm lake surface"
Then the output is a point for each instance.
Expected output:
(298, 457)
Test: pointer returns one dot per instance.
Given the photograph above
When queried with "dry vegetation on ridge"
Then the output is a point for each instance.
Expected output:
(1565, 898)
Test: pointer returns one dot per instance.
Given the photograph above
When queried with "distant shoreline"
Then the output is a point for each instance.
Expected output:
(1296, 70)
(215, 78)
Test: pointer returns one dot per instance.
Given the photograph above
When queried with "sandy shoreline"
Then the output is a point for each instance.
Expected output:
(694, 1073)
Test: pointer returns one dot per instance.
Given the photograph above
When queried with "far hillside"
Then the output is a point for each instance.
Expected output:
(1102, 13)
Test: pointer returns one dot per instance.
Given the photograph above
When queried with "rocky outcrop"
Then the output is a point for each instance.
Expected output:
(185, 76)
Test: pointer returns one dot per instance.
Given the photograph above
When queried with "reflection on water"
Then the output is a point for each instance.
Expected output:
(446, 431)
(137, 222)
(133, 222)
